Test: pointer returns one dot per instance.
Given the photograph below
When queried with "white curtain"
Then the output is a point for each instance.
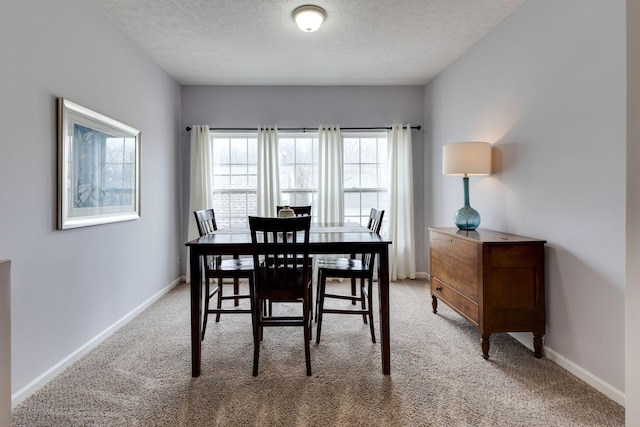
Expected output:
(402, 263)
(268, 171)
(201, 180)
(330, 181)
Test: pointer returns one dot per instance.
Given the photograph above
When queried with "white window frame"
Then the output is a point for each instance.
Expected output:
(295, 195)
(380, 163)
(229, 217)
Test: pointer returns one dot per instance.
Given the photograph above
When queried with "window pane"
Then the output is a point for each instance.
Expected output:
(369, 200)
(351, 204)
(382, 150)
(368, 150)
(220, 169)
(302, 199)
(221, 151)
(235, 179)
(351, 176)
(252, 151)
(369, 176)
(298, 169)
(287, 151)
(221, 182)
(304, 148)
(238, 151)
(286, 176)
(351, 150)
(365, 175)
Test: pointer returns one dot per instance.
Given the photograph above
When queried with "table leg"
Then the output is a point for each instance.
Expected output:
(196, 310)
(383, 291)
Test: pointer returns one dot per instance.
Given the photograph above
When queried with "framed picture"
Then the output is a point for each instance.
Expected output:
(98, 168)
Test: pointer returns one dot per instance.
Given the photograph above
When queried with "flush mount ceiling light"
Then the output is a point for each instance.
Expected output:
(309, 17)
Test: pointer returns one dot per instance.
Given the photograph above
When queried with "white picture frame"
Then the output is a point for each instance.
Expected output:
(98, 168)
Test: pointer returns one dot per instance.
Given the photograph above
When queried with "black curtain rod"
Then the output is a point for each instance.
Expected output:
(304, 129)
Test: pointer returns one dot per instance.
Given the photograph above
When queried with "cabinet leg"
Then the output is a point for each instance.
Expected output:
(537, 345)
(485, 346)
(434, 303)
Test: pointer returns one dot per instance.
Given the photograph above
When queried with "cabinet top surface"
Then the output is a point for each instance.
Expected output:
(481, 235)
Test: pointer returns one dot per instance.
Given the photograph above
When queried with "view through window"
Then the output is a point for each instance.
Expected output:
(234, 179)
(235, 174)
(365, 175)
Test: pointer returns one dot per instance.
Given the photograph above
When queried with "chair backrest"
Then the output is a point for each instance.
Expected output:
(206, 220)
(375, 220)
(375, 223)
(297, 210)
(281, 256)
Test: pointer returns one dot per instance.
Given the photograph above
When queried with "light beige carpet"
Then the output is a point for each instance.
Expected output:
(141, 376)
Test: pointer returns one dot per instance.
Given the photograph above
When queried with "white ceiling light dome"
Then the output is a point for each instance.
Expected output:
(309, 17)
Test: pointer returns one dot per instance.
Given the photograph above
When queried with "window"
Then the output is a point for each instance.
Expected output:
(365, 175)
(299, 169)
(234, 179)
(235, 174)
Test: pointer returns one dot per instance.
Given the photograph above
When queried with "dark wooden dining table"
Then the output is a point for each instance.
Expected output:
(323, 239)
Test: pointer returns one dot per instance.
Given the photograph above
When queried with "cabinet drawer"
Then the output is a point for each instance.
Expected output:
(455, 262)
(453, 299)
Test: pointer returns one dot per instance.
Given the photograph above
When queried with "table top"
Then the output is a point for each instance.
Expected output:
(319, 235)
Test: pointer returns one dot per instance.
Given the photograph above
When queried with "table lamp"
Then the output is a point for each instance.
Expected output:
(466, 159)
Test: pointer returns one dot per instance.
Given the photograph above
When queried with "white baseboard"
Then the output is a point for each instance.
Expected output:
(35, 385)
(603, 387)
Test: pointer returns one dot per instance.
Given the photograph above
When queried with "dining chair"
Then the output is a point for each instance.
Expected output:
(218, 269)
(282, 274)
(349, 268)
(297, 210)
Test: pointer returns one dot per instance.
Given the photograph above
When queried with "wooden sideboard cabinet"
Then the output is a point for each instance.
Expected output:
(492, 279)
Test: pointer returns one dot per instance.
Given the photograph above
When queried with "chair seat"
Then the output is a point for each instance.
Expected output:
(342, 264)
(282, 283)
(240, 264)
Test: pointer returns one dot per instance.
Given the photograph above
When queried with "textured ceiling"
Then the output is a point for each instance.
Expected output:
(256, 42)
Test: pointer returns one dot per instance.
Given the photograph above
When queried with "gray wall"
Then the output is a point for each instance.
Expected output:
(291, 106)
(632, 391)
(547, 89)
(69, 286)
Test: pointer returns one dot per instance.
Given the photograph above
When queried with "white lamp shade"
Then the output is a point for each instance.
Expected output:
(309, 18)
(466, 158)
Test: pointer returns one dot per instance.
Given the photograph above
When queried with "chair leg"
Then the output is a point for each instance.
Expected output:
(310, 307)
(369, 302)
(257, 336)
(320, 297)
(206, 307)
(317, 297)
(362, 302)
(307, 334)
(353, 291)
(219, 297)
(236, 291)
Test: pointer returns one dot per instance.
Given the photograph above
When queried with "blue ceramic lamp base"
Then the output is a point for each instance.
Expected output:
(466, 218)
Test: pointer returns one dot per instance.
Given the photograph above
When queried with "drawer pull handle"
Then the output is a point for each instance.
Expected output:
(438, 288)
